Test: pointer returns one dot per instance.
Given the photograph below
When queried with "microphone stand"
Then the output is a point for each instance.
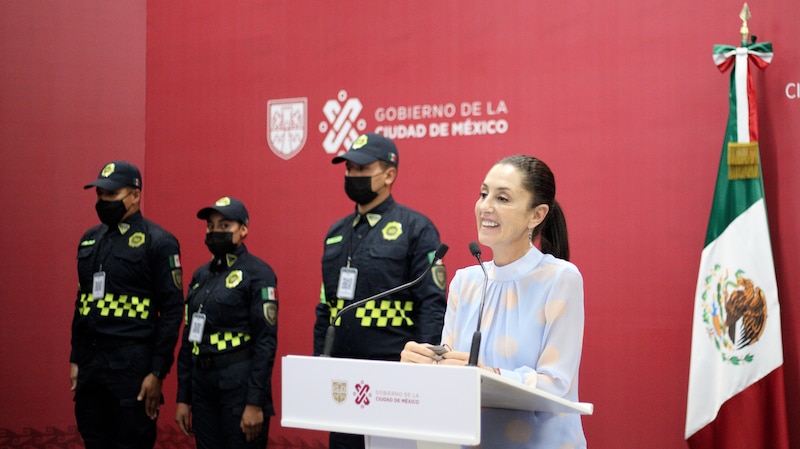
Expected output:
(476, 337)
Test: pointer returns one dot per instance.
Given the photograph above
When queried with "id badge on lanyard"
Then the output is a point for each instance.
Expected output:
(196, 327)
(347, 283)
(99, 285)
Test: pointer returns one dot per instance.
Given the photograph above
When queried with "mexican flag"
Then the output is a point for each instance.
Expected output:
(736, 391)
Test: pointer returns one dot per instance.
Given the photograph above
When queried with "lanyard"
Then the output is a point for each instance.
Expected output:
(106, 238)
(212, 275)
(352, 236)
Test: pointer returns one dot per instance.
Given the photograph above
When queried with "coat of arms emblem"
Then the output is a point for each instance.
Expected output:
(339, 390)
(287, 126)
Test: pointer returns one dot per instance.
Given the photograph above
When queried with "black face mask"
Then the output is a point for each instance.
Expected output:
(359, 189)
(110, 213)
(220, 243)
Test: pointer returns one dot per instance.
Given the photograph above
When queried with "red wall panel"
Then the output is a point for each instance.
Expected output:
(72, 95)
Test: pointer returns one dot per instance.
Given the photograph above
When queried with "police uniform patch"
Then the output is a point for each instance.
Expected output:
(136, 240)
(373, 219)
(269, 294)
(107, 170)
(230, 259)
(333, 240)
(177, 278)
(270, 312)
(234, 278)
(392, 230)
(360, 142)
(439, 276)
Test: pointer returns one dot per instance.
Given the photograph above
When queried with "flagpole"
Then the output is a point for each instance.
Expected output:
(736, 397)
(745, 16)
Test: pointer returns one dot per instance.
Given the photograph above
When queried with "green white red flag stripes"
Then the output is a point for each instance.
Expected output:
(736, 392)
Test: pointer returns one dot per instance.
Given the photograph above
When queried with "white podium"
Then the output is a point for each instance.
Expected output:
(402, 405)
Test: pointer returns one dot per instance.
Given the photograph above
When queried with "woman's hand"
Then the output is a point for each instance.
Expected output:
(426, 353)
(414, 352)
(455, 358)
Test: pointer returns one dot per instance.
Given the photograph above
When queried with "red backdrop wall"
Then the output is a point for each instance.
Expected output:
(621, 99)
(72, 94)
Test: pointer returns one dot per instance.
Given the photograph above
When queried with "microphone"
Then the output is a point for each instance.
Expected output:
(476, 337)
(331, 332)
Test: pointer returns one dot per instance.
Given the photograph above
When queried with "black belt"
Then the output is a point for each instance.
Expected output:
(224, 359)
(105, 342)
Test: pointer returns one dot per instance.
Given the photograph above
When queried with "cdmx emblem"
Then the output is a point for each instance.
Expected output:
(339, 391)
(287, 126)
(362, 394)
(342, 124)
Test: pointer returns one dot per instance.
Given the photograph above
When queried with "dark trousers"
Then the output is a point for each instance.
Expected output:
(106, 409)
(345, 441)
(219, 395)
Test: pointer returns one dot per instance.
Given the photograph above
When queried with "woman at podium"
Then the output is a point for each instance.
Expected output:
(526, 303)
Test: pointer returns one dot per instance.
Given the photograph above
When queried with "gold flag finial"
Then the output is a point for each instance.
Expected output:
(745, 16)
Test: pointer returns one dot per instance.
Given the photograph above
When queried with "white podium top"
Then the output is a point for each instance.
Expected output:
(402, 400)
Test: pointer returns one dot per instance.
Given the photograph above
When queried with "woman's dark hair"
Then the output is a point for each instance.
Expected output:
(539, 180)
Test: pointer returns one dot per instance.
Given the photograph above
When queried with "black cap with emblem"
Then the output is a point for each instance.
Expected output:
(368, 148)
(230, 208)
(116, 175)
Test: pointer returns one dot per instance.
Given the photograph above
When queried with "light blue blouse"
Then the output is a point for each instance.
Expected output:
(532, 329)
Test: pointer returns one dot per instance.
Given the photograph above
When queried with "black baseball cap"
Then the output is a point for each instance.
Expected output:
(368, 148)
(116, 175)
(230, 208)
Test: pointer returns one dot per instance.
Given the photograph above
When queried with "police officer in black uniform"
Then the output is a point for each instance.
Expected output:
(380, 246)
(229, 340)
(127, 316)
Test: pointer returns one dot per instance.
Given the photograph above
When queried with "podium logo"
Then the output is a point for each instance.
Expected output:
(362, 394)
(339, 391)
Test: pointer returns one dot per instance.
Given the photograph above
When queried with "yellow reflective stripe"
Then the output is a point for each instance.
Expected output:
(86, 304)
(389, 313)
(335, 309)
(118, 306)
(124, 306)
(222, 339)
